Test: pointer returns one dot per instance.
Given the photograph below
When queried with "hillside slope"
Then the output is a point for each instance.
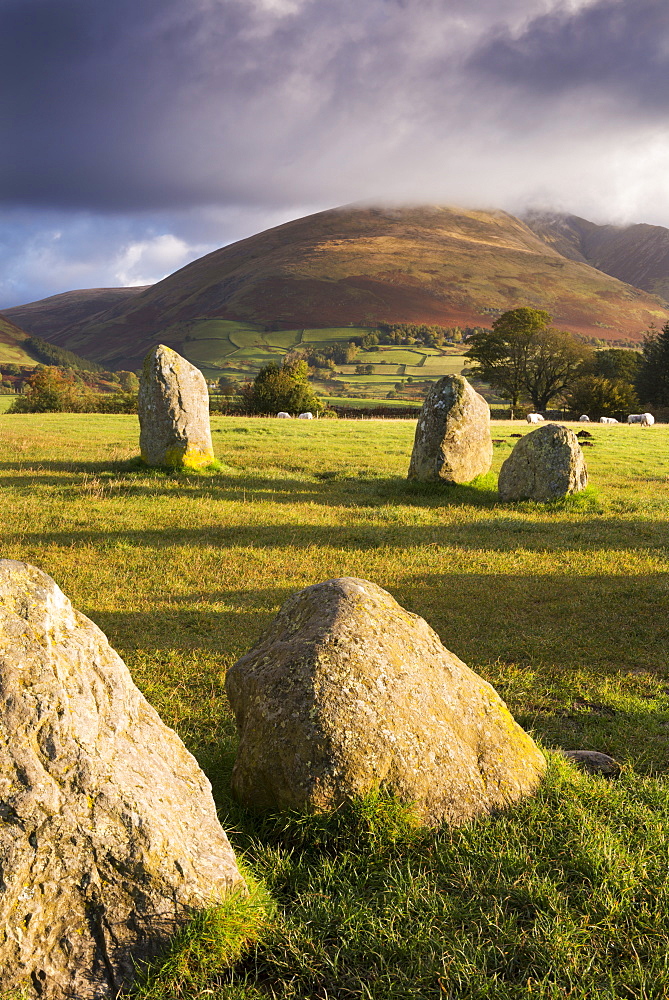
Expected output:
(11, 344)
(637, 254)
(362, 266)
(57, 313)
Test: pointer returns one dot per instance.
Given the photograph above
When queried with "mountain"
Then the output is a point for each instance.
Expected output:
(358, 267)
(638, 254)
(57, 313)
(11, 344)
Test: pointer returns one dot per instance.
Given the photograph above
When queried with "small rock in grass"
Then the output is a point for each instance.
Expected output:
(545, 464)
(583, 434)
(347, 693)
(594, 762)
(173, 411)
(452, 442)
(109, 838)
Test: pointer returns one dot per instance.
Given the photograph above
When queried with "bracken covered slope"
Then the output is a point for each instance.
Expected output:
(637, 254)
(11, 346)
(361, 266)
(57, 313)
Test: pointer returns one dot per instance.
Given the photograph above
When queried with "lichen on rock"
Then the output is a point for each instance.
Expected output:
(452, 442)
(545, 464)
(173, 411)
(109, 838)
(347, 693)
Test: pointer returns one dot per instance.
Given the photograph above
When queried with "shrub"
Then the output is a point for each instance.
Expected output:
(282, 387)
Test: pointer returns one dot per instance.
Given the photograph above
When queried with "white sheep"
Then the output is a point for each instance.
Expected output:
(306, 416)
(645, 419)
(584, 419)
(285, 415)
(608, 420)
(534, 418)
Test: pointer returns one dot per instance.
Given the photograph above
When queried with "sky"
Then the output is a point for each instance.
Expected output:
(138, 135)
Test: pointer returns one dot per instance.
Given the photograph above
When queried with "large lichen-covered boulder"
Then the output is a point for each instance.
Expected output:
(544, 465)
(109, 838)
(452, 442)
(347, 693)
(173, 412)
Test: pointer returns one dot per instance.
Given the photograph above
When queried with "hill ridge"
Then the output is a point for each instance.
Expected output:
(361, 266)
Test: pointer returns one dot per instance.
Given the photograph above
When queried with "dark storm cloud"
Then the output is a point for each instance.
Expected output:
(617, 47)
(179, 102)
(137, 134)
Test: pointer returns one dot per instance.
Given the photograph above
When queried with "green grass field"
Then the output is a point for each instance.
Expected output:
(238, 350)
(563, 607)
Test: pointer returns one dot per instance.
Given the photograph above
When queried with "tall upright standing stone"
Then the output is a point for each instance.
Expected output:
(109, 837)
(173, 412)
(453, 442)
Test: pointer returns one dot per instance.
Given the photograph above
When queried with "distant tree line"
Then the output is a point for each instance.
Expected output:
(325, 355)
(17, 377)
(49, 389)
(429, 335)
(50, 354)
(526, 360)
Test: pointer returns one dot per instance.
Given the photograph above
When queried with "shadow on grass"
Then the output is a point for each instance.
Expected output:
(496, 534)
(564, 651)
(330, 486)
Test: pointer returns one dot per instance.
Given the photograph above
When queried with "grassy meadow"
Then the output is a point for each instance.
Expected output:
(563, 607)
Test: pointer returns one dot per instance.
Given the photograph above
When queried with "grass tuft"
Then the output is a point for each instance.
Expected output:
(200, 954)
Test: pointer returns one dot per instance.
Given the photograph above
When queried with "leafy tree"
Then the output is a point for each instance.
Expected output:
(282, 387)
(128, 381)
(616, 363)
(499, 356)
(653, 379)
(553, 364)
(601, 397)
(523, 357)
(227, 386)
(48, 390)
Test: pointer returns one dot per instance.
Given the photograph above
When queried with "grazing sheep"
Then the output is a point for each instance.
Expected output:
(608, 420)
(306, 416)
(645, 419)
(584, 419)
(534, 418)
(283, 413)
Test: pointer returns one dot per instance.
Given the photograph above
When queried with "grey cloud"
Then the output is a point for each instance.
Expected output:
(168, 102)
(146, 128)
(619, 48)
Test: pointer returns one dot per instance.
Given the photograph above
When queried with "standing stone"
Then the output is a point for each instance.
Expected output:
(452, 442)
(544, 465)
(173, 412)
(347, 692)
(109, 837)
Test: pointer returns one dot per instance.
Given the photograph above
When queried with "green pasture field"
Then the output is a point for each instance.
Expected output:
(5, 403)
(238, 350)
(563, 607)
